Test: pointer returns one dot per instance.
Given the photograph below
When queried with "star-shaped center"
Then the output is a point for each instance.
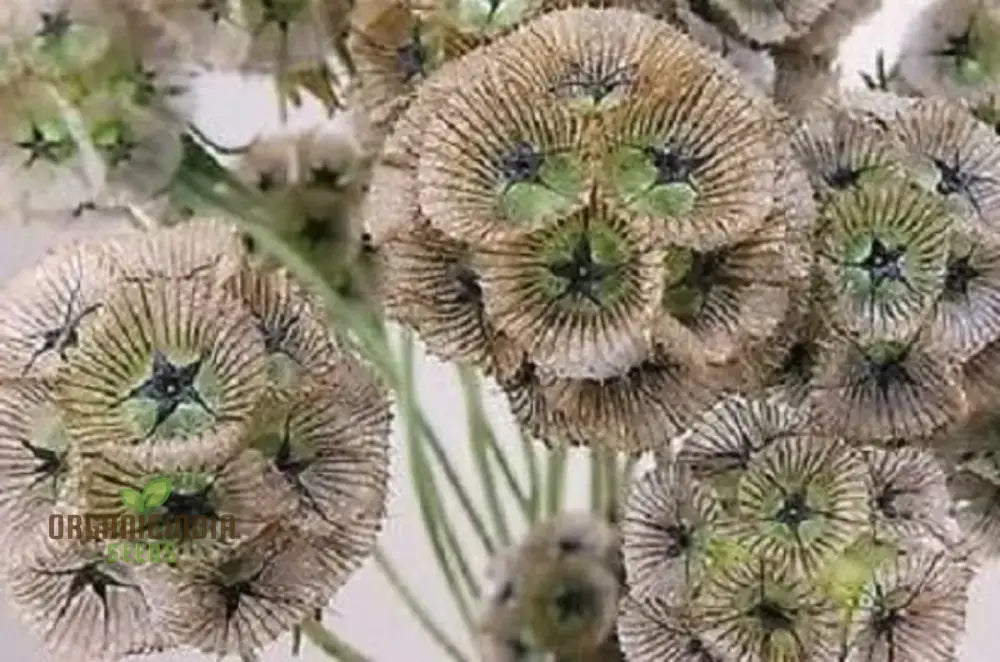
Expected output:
(883, 262)
(169, 386)
(582, 273)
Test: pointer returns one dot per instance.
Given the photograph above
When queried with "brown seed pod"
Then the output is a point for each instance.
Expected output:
(757, 612)
(980, 377)
(82, 605)
(967, 314)
(651, 629)
(771, 21)
(668, 520)
(695, 156)
(885, 390)
(913, 609)
(578, 295)
(162, 360)
(496, 158)
(882, 255)
(955, 156)
(43, 310)
(434, 287)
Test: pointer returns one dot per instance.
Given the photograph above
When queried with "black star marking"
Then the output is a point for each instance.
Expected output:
(42, 148)
(522, 164)
(169, 386)
(680, 540)
(959, 46)
(673, 165)
(411, 57)
(583, 275)
(65, 335)
(794, 510)
(119, 151)
(959, 275)
(955, 180)
(90, 576)
(598, 85)
(189, 504)
(469, 290)
(883, 262)
(55, 25)
(888, 371)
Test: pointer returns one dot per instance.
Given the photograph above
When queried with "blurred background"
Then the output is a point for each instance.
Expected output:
(367, 613)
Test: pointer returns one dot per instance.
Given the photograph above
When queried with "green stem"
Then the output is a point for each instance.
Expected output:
(432, 510)
(395, 579)
(597, 496)
(534, 477)
(556, 479)
(331, 644)
(612, 490)
(480, 437)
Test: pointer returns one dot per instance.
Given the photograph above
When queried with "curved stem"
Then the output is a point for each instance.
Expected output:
(331, 644)
(555, 480)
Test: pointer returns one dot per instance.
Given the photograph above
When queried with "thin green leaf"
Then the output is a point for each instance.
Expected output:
(328, 642)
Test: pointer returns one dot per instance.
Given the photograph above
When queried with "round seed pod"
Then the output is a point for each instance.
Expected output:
(651, 629)
(883, 252)
(578, 295)
(44, 309)
(162, 360)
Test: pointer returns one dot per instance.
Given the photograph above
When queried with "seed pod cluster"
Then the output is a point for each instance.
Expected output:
(189, 457)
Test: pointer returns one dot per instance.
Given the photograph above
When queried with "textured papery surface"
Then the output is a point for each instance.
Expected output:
(908, 494)
(653, 630)
(773, 21)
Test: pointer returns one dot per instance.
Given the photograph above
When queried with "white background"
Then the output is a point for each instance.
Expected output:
(366, 612)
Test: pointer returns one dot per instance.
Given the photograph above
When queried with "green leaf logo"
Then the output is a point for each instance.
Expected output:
(156, 493)
(132, 499)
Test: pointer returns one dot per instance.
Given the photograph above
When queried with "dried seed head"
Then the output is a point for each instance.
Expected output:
(330, 450)
(43, 310)
(757, 612)
(162, 360)
(802, 502)
(82, 605)
(493, 160)
(667, 524)
(577, 295)
(908, 494)
(883, 255)
(956, 157)
(437, 290)
(951, 50)
(693, 156)
(885, 390)
(771, 21)
(652, 629)
(913, 608)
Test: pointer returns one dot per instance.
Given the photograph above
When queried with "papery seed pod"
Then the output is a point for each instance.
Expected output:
(204, 249)
(526, 391)
(34, 463)
(653, 630)
(695, 157)
(296, 338)
(331, 452)
(885, 390)
(394, 48)
(528, 168)
(912, 609)
(950, 50)
(578, 295)
(977, 509)
(162, 360)
(802, 502)
(242, 602)
(640, 409)
(771, 21)
(967, 314)
(666, 527)
(590, 59)
(955, 156)
(883, 255)
(802, 78)
(757, 612)
(728, 438)
(44, 309)
(880, 107)
(82, 604)
(979, 377)
(840, 149)
(435, 288)
(219, 496)
(908, 494)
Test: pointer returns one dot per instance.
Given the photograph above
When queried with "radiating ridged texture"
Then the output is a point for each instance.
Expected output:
(758, 612)
(436, 289)
(695, 156)
(495, 159)
(801, 503)
(42, 310)
(967, 314)
(331, 453)
(772, 21)
(162, 360)
(653, 630)
(981, 377)
(214, 478)
(577, 295)
(955, 156)
(883, 252)
(638, 410)
(82, 606)
(243, 602)
(206, 250)
(908, 494)
(667, 522)
(913, 609)
(885, 390)
(950, 50)
(33, 457)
